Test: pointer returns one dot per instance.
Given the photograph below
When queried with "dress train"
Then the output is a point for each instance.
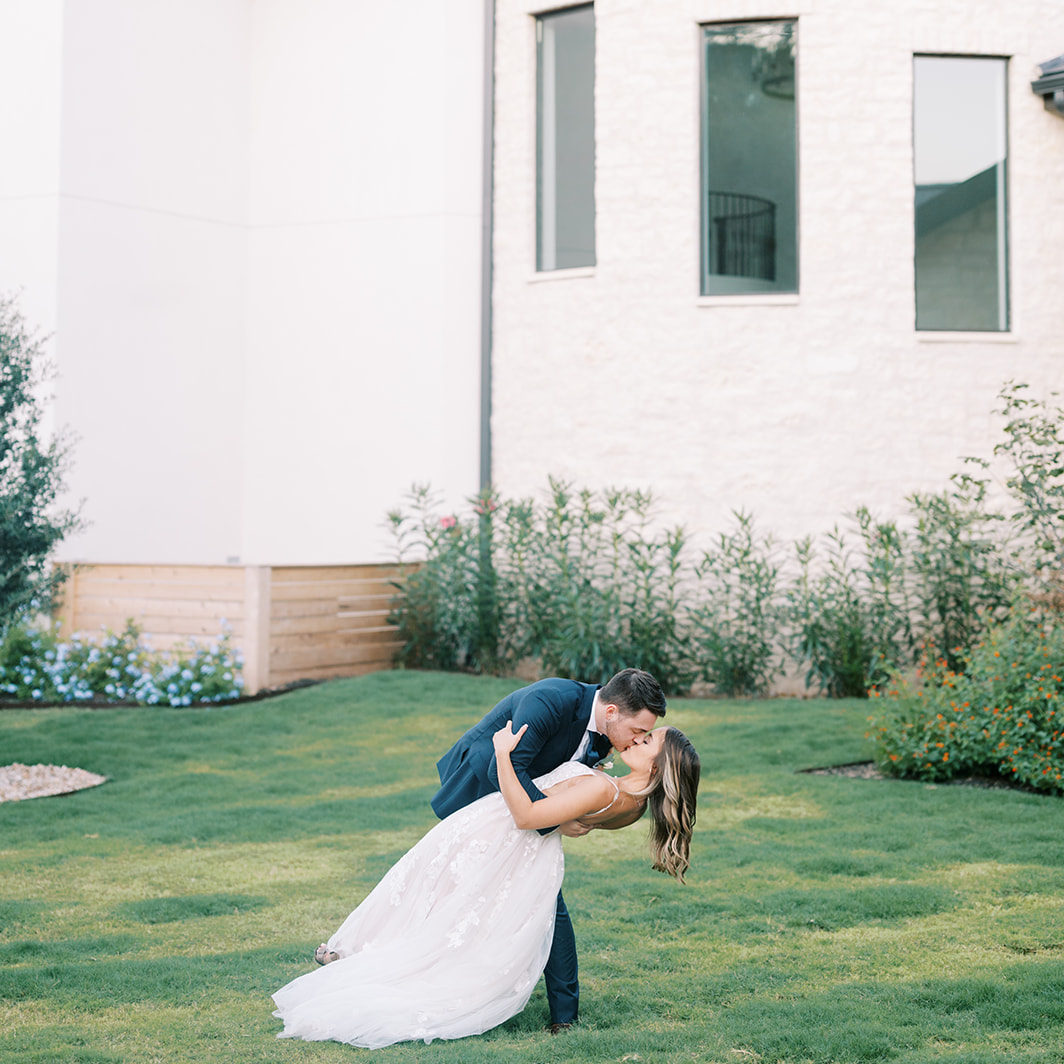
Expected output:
(451, 942)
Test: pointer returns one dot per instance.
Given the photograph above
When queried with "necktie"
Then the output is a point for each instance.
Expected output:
(597, 749)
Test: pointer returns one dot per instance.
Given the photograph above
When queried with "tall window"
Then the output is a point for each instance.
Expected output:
(565, 139)
(749, 159)
(959, 158)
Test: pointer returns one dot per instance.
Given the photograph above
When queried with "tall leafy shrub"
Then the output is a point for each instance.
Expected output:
(584, 583)
(736, 611)
(847, 608)
(579, 583)
(439, 558)
(959, 567)
(31, 474)
(609, 592)
(1033, 453)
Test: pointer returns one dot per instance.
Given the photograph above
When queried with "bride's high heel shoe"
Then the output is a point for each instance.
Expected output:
(324, 955)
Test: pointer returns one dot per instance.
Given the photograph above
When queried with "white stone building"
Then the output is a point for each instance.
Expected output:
(812, 387)
(777, 259)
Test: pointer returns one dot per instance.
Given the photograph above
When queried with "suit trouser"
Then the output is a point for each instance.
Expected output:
(560, 975)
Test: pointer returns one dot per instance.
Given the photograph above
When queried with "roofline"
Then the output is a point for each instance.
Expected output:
(1048, 84)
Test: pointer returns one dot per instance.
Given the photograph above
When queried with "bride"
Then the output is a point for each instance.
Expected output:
(453, 939)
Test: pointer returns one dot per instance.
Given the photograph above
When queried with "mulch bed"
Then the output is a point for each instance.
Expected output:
(866, 770)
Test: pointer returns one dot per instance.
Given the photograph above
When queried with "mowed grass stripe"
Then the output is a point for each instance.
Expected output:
(826, 919)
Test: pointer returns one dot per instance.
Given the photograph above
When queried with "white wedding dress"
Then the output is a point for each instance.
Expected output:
(450, 943)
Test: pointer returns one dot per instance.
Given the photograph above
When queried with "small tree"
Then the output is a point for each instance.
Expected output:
(31, 473)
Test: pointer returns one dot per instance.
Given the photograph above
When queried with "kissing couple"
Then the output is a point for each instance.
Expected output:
(453, 940)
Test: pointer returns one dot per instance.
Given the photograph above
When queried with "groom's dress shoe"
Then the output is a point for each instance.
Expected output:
(558, 1028)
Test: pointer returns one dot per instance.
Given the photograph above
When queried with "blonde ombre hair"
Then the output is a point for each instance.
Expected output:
(672, 797)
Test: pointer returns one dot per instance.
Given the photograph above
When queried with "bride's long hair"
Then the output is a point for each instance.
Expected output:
(672, 797)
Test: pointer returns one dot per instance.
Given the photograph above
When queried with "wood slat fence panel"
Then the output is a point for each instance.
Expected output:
(311, 613)
(290, 622)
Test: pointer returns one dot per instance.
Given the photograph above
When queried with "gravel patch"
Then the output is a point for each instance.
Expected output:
(19, 782)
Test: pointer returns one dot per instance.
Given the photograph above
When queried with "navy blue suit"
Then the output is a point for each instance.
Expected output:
(557, 714)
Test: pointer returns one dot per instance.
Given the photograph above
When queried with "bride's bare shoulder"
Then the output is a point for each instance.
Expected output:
(628, 814)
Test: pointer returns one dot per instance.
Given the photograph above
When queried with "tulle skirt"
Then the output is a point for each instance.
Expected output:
(450, 943)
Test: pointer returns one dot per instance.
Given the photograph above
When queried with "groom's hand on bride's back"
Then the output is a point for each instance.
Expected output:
(574, 828)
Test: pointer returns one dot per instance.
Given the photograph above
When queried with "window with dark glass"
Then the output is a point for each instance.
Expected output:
(749, 159)
(959, 158)
(565, 139)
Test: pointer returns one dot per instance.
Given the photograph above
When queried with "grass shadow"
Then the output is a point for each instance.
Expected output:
(190, 907)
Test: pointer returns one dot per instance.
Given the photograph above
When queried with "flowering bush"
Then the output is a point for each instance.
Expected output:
(35, 666)
(1000, 715)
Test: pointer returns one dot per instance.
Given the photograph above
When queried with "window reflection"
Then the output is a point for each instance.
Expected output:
(749, 159)
(959, 159)
(565, 139)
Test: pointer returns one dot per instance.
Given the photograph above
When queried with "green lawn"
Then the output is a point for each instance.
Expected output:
(825, 918)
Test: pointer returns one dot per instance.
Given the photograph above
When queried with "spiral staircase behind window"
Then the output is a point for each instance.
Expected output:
(742, 236)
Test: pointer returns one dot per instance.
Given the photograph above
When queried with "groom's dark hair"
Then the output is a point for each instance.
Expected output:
(631, 690)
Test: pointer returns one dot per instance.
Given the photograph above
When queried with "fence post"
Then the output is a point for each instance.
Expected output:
(256, 628)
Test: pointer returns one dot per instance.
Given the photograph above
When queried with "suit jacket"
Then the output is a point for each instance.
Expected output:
(556, 712)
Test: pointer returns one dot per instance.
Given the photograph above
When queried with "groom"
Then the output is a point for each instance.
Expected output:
(567, 721)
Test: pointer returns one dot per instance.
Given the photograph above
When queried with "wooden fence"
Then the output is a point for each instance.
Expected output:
(297, 622)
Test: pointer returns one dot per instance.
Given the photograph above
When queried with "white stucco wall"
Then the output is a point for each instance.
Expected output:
(30, 80)
(254, 226)
(364, 270)
(152, 236)
(795, 408)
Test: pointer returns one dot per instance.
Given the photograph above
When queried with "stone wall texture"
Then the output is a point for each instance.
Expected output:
(795, 408)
